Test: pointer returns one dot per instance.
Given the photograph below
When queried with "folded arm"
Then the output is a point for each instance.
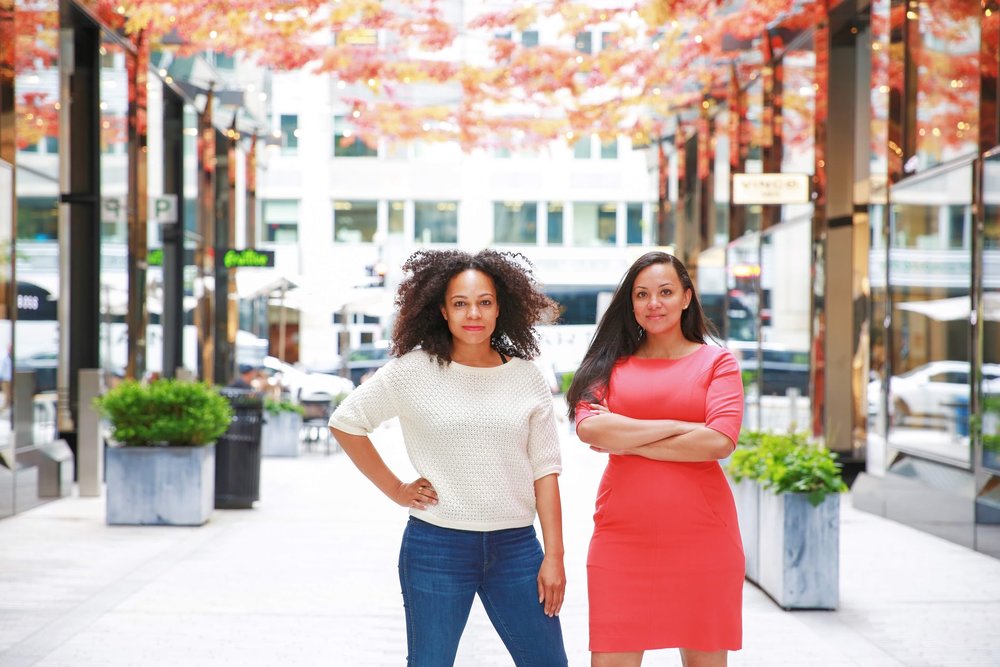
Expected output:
(613, 433)
(699, 444)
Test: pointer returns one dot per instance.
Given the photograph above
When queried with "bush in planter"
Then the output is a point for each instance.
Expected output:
(276, 407)
(165, 412)
(163, 470)
(798, 520)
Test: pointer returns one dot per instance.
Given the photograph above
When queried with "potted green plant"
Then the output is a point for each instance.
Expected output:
(282, 428)
(798, 520)
(160, 467)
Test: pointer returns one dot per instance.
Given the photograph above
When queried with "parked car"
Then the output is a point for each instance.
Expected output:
(300, 383)
(44, 365)
(935, 389)
(366, 359)
(783, 369)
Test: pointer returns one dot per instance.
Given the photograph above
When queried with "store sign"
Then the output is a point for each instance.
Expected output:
(162, 209)
(234, 259)
(766, 189)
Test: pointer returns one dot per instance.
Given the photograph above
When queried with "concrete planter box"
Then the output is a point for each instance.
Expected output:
(799, 557)
(170, 486)
(747, 496)
(280, 435)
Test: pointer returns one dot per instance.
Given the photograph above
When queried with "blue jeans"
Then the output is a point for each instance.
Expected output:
(441, 571)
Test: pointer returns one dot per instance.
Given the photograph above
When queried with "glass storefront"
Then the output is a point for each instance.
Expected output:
(930, 261)
(990, 397)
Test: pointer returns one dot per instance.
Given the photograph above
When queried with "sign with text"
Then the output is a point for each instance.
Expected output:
(770, 189)
(163, 209)
(234, 259)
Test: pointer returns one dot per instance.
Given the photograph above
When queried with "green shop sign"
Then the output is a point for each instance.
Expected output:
(234, 259)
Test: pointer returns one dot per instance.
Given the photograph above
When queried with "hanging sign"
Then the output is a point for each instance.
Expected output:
(766, 189)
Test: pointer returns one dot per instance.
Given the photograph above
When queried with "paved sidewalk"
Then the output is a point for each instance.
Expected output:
(308, 577)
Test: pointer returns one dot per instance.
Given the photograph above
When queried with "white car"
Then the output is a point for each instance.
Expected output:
(935, 389)
(302, 384)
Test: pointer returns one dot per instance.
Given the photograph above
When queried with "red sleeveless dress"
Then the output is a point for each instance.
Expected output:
(665, 567)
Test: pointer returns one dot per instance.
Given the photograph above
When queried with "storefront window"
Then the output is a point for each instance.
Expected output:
(947, 59)
(594, 224)
(786, 266)
(929, 286)
(355, 221)
(515, 222)
(742, 297)
(435, 222)
(991, 315)
(114, 206)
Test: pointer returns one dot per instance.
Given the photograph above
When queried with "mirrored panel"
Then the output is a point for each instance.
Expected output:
(991, 316)
(785, 270)
(741, 311)
(929, 286)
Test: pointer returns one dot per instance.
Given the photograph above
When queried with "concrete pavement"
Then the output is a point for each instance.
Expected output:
(308, 577)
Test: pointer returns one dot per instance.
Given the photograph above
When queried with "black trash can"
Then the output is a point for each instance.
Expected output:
(237, 452)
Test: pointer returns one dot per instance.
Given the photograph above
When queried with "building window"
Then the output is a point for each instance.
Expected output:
(397, 218)
(581, 149)
(634, 224)
(609, 149)
(355, 221)
(37, 219)
(529, 38)
(435, 222)
(583, 42)
(289, 133)
(279, 220)
(346, 143)
(594, 224)
(515, 222)
(554, 224)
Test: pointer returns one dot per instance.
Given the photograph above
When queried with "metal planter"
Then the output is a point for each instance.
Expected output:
(280, 434)
(161, 486)
(746, 494)
(799, 565)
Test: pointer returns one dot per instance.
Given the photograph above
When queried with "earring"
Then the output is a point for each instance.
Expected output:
(642, 332)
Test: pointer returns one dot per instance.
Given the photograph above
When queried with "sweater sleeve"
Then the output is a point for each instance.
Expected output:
(724, 399)
(367, 406)
(543, 440)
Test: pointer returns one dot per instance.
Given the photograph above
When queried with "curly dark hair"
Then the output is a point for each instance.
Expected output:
(618, 334)
(421, 296)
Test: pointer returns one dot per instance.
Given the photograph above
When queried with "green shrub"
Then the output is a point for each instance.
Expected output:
(165, 412)
(276, 407)
(787, 463)
(565, 381)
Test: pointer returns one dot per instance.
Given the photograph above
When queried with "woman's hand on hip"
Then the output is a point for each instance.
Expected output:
(551, 584)
(417, 494)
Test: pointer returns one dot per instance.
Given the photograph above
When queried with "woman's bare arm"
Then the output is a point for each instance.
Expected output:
(417, 494)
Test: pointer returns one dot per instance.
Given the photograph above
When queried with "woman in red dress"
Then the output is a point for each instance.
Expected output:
(665, 567)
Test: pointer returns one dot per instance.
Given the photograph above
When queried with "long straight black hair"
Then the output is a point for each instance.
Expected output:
(618, 333)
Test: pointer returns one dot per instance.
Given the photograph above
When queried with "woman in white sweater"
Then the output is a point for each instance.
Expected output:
(478, 425)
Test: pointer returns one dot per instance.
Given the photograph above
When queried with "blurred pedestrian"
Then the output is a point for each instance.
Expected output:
(247, 379)
(665, 566)
(478, 425)
(6, 374)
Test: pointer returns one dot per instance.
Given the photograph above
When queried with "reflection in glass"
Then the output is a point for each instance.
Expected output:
(594, 224)
(355, 221)
(929, 286)
(435, 221)
(515, 222)
(784, 327)
(114, 204)
(991, 313)
(742, 307)
(947, 59)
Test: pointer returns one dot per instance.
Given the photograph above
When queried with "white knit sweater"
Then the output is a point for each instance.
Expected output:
(482, 436)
